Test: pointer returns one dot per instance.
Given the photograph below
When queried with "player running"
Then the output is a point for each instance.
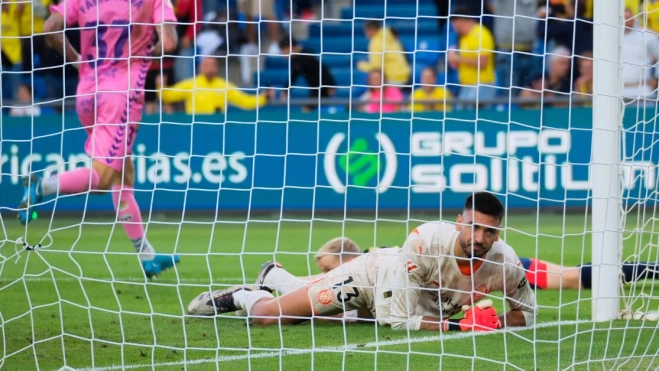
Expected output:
(540, 274)
(444, 264)
(117, 39)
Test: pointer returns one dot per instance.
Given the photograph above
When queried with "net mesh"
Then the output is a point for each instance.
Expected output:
(509, 111)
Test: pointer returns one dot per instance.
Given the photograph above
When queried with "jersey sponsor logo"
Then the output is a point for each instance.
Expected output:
(522, 283)
(411, 266)
(361, 163)
(325, 297)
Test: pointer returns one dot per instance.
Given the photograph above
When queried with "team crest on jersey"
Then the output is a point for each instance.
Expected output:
(325, 296)
(411, 266)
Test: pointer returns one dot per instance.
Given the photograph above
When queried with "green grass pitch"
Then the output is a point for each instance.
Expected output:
(84, 303)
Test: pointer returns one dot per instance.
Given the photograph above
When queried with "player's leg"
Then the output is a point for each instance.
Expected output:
(274, 278)
(260, 305)
(99, 143)
(548, 276)
(632, 272)
(128, 211)
(336, 292)
(130, 218)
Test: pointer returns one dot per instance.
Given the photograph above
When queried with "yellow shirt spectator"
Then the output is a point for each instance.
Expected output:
(10, 32)
(33, 17)
(205, 97)
(476, 43)
(436, 94)
(634, 5)
(652, 10)
(382, 41)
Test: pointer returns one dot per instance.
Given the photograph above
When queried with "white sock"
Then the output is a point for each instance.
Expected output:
(282, 281)
(245, 300)
(49, 186)
(144, 248)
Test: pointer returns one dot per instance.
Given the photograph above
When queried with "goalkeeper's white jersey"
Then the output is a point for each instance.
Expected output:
(423, 279)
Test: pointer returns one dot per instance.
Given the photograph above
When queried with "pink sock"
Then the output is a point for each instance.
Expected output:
(75, 181)
(128, 214)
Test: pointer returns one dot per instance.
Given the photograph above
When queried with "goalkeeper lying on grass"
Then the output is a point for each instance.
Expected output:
(539, 273)
(441, 268)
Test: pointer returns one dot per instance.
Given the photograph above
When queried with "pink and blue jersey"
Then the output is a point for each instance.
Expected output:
(114, 35)
(116, 40)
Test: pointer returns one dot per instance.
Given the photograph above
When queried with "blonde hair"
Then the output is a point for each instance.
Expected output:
(340, 247)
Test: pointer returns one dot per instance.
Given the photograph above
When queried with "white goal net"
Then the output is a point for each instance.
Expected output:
(386, 115)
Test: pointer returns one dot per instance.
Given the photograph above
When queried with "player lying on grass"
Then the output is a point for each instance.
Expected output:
(539, 273)
(442, 265)
(117, 41)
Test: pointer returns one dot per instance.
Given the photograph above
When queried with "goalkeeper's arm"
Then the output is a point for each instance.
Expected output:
(410, 272)
(483, 317)
(480, 317)
(520, 298)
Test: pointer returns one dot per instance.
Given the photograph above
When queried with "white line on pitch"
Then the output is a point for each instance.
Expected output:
(333, 349)
(46, 278)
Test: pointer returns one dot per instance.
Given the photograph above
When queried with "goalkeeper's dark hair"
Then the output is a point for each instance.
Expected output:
(485, 203)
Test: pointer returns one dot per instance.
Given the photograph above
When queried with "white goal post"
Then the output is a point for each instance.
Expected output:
(605, 177)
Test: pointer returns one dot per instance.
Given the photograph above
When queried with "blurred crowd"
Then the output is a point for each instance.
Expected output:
(491, 53)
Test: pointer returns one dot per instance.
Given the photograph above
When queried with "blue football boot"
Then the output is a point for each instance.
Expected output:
(31, 196)
(159, 263)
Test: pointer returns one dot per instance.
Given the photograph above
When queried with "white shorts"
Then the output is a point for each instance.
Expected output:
(344, 288)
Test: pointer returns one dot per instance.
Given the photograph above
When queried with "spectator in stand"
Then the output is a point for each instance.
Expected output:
(157, 69)
(24, 105)
(189, 14)
(207, 93)
(11, 50)
(430, 91)
(265, 11)
(534, 91)
(304, 10)
(556, 83)
(303, 63)
(385, 53)
(565, 23)
(474, 57)
(514, 62)
(640, 54)
(583, 86)
(651, 8)
(33, 16)
(482, 8)
(559, 77)
(379, 98)
(443, 8)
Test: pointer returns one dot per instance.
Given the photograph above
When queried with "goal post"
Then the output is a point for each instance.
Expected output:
(605, 167)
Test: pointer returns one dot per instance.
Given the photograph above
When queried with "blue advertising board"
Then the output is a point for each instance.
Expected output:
(337, 162)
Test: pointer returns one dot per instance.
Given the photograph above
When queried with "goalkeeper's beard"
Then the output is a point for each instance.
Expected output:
(469, 250)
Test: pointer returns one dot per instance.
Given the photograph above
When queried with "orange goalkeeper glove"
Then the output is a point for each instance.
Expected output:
(481, 317)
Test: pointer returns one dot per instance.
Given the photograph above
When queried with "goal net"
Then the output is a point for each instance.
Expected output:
(523, 102)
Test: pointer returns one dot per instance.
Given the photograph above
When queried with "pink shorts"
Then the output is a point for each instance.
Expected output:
(111, 126)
